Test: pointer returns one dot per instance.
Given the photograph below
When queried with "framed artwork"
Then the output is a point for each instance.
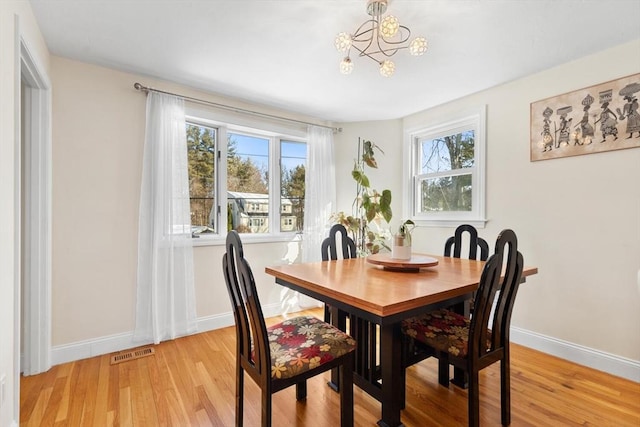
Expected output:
(598, 118)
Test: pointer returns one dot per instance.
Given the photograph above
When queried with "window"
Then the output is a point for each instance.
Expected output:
(293, 156)
(447, 172)
(230, 183)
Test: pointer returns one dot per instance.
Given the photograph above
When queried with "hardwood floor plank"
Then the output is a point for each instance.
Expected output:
(102, 387)
(40, 407)
(191, 382)
(51, 412)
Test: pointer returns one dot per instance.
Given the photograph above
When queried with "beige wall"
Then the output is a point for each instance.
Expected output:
(577, 218)
(98, 136)
(16, 18)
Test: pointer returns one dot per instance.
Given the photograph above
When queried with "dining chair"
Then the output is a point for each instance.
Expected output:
(455, 242)
(364, 331)
(331, 250)
(478, 250)
(471, 343)
(284, 354)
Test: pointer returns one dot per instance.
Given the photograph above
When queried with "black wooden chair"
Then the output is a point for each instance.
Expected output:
(455, 242)
(471, 344)
(363, 330)
(478, 250)
(331, 251)
(274, 356)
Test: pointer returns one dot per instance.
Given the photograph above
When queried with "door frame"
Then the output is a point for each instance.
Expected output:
(33, 225)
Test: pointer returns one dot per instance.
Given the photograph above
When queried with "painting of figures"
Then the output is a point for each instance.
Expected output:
(599, 118)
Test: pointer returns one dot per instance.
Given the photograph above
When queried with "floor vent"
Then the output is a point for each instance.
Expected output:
(132, 355)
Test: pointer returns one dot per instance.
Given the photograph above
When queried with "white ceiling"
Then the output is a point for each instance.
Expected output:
(281, 53)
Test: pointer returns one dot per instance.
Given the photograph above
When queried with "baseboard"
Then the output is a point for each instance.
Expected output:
(596, 359)
(118, 342)
(612, 364)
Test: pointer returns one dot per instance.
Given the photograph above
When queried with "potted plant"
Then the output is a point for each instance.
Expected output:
(370, 207)
(401, 245)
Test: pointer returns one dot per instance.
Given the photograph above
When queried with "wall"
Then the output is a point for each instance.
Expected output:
(16, 21)
(577, 218)
(98, 136)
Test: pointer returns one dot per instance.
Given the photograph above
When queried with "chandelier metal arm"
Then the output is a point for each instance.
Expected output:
(368, 36)
(378, 38)
(364, 52)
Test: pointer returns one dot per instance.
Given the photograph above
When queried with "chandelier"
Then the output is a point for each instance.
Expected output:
(378, 38)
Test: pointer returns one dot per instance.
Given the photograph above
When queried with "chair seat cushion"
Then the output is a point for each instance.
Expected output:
(442, 330)
(303, 343)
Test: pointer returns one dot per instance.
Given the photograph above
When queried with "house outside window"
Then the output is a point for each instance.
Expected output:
(446, 185)
(230, 185)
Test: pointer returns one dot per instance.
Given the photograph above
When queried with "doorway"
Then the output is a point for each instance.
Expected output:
(34, 219)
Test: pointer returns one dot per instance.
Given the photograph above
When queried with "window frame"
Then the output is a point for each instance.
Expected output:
(475, 120)
(275, 134)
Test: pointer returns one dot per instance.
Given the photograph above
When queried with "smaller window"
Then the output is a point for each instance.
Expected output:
(447, 172)
(293, 158)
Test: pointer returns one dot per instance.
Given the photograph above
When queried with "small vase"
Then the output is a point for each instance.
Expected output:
(401, 247)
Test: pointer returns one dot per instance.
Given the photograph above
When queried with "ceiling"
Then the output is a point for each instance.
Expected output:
(282, 54)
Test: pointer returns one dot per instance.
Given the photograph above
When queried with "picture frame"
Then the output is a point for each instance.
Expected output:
(598, 118)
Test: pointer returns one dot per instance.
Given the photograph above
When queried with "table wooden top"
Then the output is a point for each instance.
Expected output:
(383, 292)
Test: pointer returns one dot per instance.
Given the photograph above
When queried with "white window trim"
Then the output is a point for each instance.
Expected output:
(475, 119)
(275, 134)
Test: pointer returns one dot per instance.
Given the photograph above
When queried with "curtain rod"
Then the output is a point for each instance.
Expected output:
(146, 89)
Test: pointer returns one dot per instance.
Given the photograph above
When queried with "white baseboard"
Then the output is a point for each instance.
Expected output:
(118, 342)
(585, 356)
(612, 364)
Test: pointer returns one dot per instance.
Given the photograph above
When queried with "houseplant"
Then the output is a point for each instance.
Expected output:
(401, 242)
(370, 207)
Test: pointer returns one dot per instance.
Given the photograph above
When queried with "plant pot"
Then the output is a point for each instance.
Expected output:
(401, 247)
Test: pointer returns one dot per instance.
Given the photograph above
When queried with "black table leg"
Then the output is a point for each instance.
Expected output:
(392, 379)
(339, 320)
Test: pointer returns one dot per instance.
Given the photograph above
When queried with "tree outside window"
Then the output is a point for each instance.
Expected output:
(447, 184)
(251, 158)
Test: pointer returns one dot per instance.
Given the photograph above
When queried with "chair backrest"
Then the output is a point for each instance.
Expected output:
(475, 242)
(251, 330)
(506, 254)
(330, 244)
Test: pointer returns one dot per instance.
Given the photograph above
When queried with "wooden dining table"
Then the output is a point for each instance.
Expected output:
(376, 300)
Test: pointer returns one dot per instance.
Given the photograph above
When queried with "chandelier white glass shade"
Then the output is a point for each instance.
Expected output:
(378, 38)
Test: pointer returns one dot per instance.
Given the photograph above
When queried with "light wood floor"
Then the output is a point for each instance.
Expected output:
(190, 382)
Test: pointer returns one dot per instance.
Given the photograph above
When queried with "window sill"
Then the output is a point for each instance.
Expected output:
(247, 239)
(477, 223)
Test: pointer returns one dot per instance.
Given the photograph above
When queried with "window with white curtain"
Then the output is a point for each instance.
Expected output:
(447, 171)
(246, 179)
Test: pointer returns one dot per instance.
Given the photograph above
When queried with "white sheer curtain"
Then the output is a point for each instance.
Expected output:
(165, 306)
(320, 191)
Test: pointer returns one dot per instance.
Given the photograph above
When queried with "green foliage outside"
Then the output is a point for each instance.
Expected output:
(243, 175)
(449, 153)
(293, 189)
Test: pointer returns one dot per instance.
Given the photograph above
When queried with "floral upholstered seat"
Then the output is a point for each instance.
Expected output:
(442, 330)
(468, 343)
(303, 343)
(285, 354)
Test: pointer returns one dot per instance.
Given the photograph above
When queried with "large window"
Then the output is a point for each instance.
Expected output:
(447, 172)
(230, 180)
